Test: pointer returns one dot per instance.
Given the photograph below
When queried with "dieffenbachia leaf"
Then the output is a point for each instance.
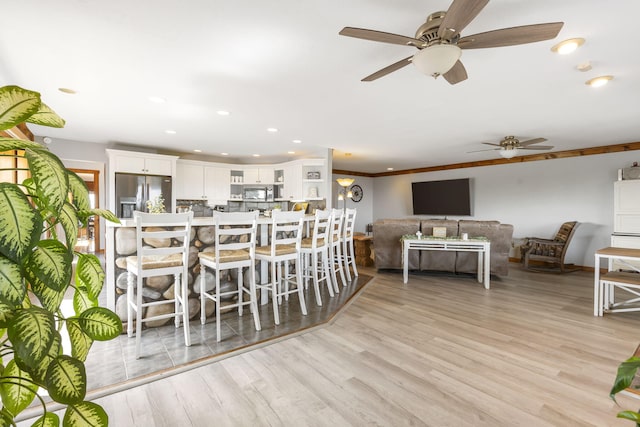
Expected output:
(50, 263)
(66, 380)
(17, 105)
(12, 289)
(18, 391)
(20, 224)
(89, 271)
(85, 414)
(45, 116)
(79, 191)
(100, 323)
(50, 178)
(80, 341)
(48, 419)
(31, 331)
(69, 221)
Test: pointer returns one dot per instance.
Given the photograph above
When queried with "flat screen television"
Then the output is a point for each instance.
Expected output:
(449, 197)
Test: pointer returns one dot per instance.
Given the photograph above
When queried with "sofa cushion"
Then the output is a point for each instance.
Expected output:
(387, 245)
(500, 236)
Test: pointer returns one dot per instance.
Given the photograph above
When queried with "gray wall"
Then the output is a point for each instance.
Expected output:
(536, 197)
(364, 214)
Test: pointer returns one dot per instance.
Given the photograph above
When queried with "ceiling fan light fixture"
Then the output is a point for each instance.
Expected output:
(437, 59)
(509, 152)
(567, 46)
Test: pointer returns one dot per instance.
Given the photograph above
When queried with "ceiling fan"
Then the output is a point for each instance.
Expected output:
(510, 146)
(439, 42)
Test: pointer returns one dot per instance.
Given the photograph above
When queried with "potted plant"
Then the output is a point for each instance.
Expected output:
(38, 231)
(624, 377)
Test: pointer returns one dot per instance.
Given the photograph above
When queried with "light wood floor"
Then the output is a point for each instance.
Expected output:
(439, 351)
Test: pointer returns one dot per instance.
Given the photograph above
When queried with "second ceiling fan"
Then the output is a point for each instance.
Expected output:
(439, 41)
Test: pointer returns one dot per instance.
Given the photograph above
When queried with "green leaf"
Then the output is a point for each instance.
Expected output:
(90, 272)
(31, 332)
(50, 263)
(50, 299)
(80, 341)
(85, 414)
(6, 418)
(12, 288)
(69, 221)
(100, 324)
(49, 419)
(17, 105)
(81, 298)
(17, 393)
(629, 415)
(66, 380)
(104, 213)
(7, 144)
(79, 191)
(6, 314)
(626, 373)
(45, 116)
(20, 224)
(39, 372)
(50, 178)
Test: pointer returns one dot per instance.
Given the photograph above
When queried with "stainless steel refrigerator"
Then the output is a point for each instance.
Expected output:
(133, 191)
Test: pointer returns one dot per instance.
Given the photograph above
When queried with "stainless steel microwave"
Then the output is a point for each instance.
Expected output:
(264, 194)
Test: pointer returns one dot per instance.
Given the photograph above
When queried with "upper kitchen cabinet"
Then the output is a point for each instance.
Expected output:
(292, 178)
(201, 181)
(259, 176)
(141, 163)
(314, 179)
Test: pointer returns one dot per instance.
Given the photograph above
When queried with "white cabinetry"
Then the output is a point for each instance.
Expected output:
(142, 163)
(292, 187)
(626, 220)
(258, 176)
(197, 180)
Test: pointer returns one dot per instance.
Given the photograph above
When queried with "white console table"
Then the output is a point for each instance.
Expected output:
(480, 245)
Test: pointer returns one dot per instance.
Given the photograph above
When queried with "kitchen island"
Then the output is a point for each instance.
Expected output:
(121, 243)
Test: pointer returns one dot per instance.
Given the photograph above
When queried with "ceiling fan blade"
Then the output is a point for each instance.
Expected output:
(511, 36)
(532, 141)
(459, 15)
(537, 147)
(491, 143)
(478, 151)
(389, 69)
(380, 36)
(456, 74)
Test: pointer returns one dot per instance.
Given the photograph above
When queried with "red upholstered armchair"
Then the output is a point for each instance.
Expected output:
(549, 251)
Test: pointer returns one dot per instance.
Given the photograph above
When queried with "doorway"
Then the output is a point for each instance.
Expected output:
(89, 236)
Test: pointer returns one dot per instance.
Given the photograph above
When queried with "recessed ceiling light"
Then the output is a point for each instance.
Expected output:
(567, 46)
(170, 132)
(297, 141)
(157, 99)
(291, 152)
(389, 169)
(224, 154)
(67, 90)
(197, 151)
(599, 81)
(256, 155)
(222, 113)
(585, 66)
(272, 129)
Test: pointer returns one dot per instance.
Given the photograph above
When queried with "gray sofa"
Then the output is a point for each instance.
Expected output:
(388, 248)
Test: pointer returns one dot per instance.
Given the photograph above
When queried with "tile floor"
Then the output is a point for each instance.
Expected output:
(113, 363)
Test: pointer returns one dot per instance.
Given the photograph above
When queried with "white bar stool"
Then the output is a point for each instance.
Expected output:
(315, 254)
(347, 243)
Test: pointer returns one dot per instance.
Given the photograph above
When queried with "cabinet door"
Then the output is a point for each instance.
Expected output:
(293, 182)
(155, 166)
(189, 181)
(251, 176)
(130, 164)
(216, 185)
(265, 175)
(626, 206)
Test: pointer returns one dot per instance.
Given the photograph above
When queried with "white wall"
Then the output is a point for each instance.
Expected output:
(536, 197)
(364, 214)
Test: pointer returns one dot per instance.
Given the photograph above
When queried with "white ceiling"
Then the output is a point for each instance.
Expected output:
(282, 64)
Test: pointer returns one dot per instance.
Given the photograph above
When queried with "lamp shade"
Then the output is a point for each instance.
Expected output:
(509, 152)
(437, 59)
(345, 182)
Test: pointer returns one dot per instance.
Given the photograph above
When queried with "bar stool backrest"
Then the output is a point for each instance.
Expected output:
(286, 230)
(235, 231)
